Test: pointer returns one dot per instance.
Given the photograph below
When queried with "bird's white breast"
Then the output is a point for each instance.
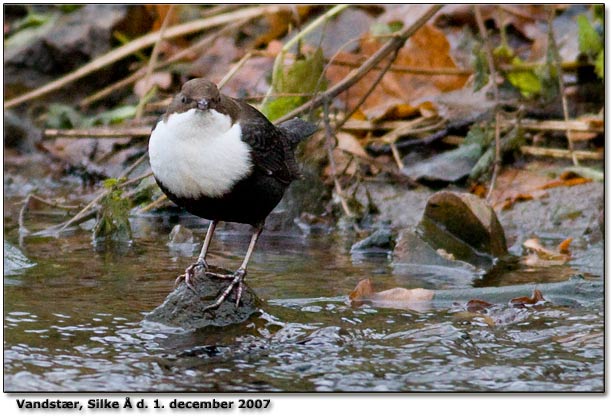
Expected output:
(198, 153)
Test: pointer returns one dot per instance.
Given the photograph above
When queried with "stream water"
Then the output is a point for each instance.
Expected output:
(74, 322)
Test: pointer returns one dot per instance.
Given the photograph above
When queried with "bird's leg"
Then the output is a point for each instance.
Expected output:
(201, 262)
(238, 276)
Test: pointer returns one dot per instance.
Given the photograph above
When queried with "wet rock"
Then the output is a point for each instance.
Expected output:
(67, 41)
(181, 241)
(14, 260)
(400, 207)
(180, 235)
(19, 132)
(458, 239)
(453, 219)
(380, 241)
(425, 265)
(184, 308)
(450, 166)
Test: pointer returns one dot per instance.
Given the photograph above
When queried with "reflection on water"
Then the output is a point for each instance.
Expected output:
(74, 322)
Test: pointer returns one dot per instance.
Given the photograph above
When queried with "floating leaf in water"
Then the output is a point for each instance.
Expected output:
(523, 301)
(396, 297)
(477, 305)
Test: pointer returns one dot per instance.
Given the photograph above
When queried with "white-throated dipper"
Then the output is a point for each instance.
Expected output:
(223, 160)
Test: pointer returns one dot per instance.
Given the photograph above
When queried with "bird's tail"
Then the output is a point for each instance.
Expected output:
(296, 130)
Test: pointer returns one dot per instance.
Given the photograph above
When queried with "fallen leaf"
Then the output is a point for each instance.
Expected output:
(162, 80)
(523, 301)
(399, 297)
(563, 248)
(399, 94)
(543, 257)
(477, 305)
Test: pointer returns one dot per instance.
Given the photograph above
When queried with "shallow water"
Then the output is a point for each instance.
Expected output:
(74, 322)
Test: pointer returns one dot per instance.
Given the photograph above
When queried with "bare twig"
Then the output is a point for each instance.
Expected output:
(153, 59)
(234, 70)
(99, 132)
(409, 69)
(492, 81)
(558, 63)
(561, 153)
(370, 89)
(140, 43)
(154, 204)
(354, 76)
(176, 57)
(330, 145)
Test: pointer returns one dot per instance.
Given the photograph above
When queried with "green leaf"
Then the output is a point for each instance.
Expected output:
(303, 76)
(526, 81)
(599, 64)
(379, 29)
(590, 42)
(116, 115)
(60, 116)
(481, 69)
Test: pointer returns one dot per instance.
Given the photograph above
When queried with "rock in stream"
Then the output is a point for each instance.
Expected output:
(184, 308)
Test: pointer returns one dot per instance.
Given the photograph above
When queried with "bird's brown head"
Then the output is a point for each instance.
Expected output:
(197, 93)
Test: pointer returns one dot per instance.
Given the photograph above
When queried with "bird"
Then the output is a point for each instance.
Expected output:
(221, 159)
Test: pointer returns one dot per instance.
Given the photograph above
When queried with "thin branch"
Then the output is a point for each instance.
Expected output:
(492, 81)
(154, 58)
(176, 57)
(396, 41)
(330, 149)
(234, 70)
(558, 63)
(370, 90)
(141, 43)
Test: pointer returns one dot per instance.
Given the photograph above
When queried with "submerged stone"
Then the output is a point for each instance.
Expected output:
(14, 260)
(185, 308)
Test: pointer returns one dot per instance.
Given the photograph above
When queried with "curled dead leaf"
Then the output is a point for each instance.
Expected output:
(541, 256)
(523, 301)
(477, 305)
(398, 297)
(563, 247)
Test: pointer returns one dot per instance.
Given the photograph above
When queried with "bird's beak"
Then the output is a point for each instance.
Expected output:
(202, 104)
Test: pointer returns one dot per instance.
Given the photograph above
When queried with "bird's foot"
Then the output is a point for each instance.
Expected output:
(190, 272)
(237, 283)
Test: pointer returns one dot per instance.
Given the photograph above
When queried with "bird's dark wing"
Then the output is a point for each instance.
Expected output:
(271, 150)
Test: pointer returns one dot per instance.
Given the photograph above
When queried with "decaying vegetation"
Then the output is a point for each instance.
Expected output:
(407, 94)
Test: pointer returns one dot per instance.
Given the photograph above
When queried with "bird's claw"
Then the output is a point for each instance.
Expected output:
(237, 283)
(190, 272)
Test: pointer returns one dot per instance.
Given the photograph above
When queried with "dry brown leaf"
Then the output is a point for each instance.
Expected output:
(522, 301)
(364, 292)
(163, 80)
(347, 143)
(398, 94)
(564, 247)
(477, 305)
(543, 257)
(566, 182)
